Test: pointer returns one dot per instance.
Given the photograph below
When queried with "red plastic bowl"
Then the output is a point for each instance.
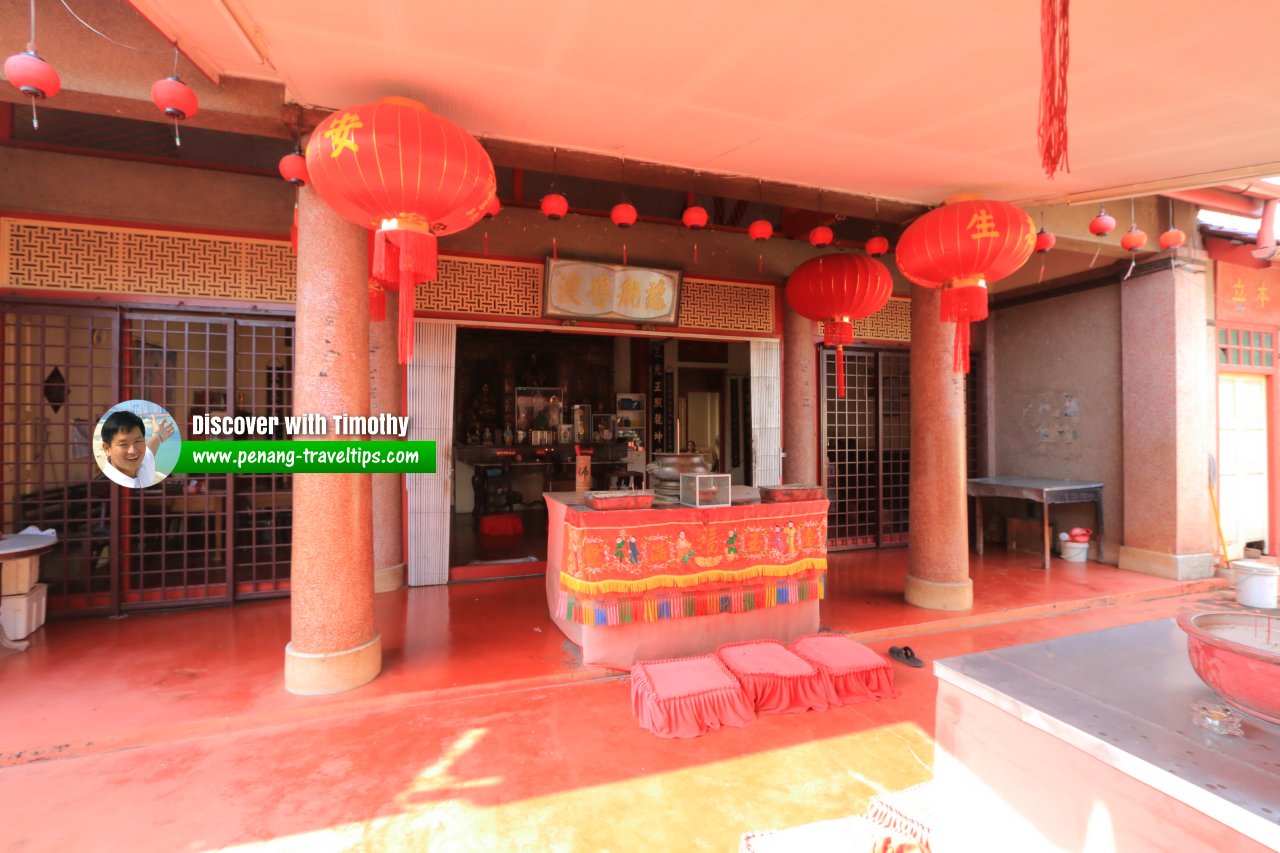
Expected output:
(1246, 677)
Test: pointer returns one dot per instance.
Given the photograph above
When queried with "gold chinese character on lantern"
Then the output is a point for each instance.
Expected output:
(985, 223)
(1237, 292)
(342, 134)
(1264, 295)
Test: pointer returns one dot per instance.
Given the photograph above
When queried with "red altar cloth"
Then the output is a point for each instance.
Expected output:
(629, 585)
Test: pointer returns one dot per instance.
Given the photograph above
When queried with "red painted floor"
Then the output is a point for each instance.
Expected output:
(173, 731)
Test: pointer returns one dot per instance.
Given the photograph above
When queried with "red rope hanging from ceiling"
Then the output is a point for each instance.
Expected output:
(1055, 44)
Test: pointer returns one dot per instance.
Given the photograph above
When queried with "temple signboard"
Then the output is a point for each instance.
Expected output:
(582, 290)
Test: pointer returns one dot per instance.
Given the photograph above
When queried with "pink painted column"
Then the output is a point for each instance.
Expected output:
(334, 644)
(1168, 382)
(938, 556)
(800, 399)
(385, 381)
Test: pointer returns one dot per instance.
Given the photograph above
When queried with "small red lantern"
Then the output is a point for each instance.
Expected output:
(554, 206)
(960, 247)
(494, 208)
(623, 215)
(175, 99)
(761, 229)
(412, 176)
(1172, 239)
(1045, 241)
(838, 289)
(1102, 224)
(694, 218)
(821, 236)
(877, 246)
(33, 77)
(1134, 239)
(293, 168)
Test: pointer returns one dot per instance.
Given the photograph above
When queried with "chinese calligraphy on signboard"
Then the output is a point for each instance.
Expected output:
(590, 291)
(1248, 295)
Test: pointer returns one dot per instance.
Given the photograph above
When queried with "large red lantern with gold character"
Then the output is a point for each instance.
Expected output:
(962, 246)
(411, 176)
(838, 289)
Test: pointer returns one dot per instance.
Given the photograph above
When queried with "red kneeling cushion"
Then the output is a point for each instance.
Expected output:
(686, 697)
(852, 672)
(774, 679)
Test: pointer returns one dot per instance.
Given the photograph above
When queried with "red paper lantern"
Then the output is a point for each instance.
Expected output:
(962, 246)
(1134, 239)
(761, 229)
(694, 218)
(877, 246)
(293, 168)
(174, 98)
(623, 215)
(1102, 224)
(838, 289)
(396, 167)
(33, 77)
(554, 206)
(494, 208)
(821, 236)
(1172, 239)
(1045, 241)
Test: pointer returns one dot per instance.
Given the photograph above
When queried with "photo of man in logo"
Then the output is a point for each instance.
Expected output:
(127, 446)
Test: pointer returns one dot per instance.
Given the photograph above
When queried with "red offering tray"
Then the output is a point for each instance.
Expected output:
(791, 492)
(621, 499)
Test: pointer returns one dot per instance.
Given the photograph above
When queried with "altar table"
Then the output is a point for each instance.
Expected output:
(1044, 492)
(635, 585)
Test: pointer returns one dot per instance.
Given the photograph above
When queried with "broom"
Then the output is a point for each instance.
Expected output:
(1213, 500)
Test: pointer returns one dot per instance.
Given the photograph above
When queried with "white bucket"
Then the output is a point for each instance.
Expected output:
(1075, 552)
(1257, 584)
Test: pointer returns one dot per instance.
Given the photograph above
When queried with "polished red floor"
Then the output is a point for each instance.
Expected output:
(484, 732)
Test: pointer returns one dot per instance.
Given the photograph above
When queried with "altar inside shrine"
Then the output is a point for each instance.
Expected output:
(647, 584)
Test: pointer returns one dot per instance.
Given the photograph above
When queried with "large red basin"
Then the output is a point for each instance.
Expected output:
(1246, 677)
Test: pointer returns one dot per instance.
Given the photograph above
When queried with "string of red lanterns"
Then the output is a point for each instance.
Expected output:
(34, 77)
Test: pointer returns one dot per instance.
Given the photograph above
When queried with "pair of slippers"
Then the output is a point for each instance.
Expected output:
(904, 654)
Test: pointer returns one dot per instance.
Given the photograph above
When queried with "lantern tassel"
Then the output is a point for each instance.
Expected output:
(405, 331)
(293, 230)
(962, 306)
(1055, 49)
(624, 254)
(840, 371)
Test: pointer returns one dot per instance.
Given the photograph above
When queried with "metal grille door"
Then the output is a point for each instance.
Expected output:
(867, 438)
(189, 538)
(60, 372)
(175, 532)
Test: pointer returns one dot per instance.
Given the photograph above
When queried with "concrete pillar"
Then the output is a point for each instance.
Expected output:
(800, 399)
(1168, 520)
(334, 644)
(938, 556)
(385, 381)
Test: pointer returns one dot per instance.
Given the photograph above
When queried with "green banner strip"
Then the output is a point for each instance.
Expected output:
(307, 457)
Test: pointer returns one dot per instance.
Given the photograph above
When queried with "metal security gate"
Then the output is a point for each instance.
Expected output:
(867, 437)
(187, 539)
